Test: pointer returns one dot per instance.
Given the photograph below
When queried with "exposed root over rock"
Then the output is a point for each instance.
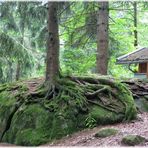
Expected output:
(71, 104)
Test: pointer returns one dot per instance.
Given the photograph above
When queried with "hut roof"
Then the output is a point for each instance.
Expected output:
(138, 56)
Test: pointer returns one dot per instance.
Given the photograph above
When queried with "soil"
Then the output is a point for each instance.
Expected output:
(86, 137)
(33, 84)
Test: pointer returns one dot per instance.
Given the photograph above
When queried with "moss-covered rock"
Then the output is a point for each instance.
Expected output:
(132, 140)
(29, 126)
(34, 118)
(103, 116)
(7, 107)
(10, 95)
(33, 125)
(142, 104)
(106, 132)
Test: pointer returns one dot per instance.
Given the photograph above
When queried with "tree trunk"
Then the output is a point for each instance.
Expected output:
(21, 28)
(52, 59)
(102, 38)
(10, 73)
(135, 25)
(18, 68)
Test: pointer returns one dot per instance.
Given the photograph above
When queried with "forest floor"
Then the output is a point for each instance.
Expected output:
(86, 137)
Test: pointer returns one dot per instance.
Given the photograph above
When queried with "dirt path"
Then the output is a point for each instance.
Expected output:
(86, 137)
(33, 83)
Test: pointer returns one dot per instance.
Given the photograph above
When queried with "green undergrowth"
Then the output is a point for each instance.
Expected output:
(72, 104)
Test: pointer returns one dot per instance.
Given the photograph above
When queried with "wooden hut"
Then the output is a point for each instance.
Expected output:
(140, 57)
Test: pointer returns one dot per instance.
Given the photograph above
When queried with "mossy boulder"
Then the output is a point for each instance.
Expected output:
(103, 116)
(7, 107)
(106, 132)
(30, 125)
(142, 103)
(132, 140)
(34, 125)
(32, 119)
(9, 103)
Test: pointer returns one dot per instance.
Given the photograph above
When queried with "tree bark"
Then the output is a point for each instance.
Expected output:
(10, 73)
(52, 59)
(102, 38)
(21, 28)
(135, 25)
(18, 68)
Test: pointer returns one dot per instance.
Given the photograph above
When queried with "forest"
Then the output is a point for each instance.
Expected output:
(65, 69)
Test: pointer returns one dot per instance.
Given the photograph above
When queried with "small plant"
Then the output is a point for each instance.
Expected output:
(90, 122)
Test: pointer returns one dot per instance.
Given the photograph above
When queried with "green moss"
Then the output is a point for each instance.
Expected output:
(10, 94)
(106, 132)
(29, 137)
(145, 104)
(3, 87)
(146, 97)
(33, 125)
(142, 104)
(126, 98)
(67, 109)
(103, 116)
(132, 140)
(30, 125)
(7, 106)
(117, 98)
(13, 86)
(7, 99)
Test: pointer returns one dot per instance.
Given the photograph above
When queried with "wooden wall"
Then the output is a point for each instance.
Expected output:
(142, 68)
(147, 70)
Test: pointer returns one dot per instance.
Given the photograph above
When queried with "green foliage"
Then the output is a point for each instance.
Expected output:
(79, 65)
(90, 122)
(18, 39)
(79, 37)
(24, 32)
(106, 132)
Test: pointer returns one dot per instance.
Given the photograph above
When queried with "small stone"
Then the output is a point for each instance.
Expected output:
(132, 140)
(106, 132)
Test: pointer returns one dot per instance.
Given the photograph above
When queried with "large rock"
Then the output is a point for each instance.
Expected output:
(30, 126)
(142, 104)
(7, 108)
(33, 125)
(34, 120)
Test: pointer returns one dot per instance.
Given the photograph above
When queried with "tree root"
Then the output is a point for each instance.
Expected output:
(110, 109)
(82, 91)
(96, 92)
